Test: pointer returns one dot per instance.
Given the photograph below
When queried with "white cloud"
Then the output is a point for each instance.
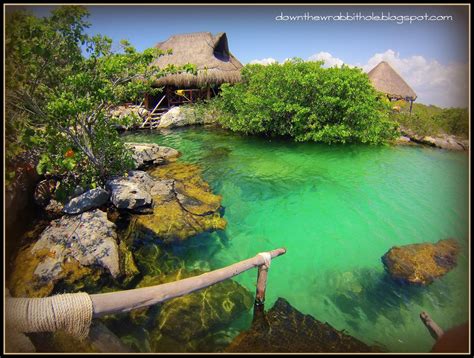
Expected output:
(263, 61)
(329, 60)
(433, 82)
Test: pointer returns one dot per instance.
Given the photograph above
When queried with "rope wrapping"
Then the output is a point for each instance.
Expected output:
(267, 258)
(71, 312)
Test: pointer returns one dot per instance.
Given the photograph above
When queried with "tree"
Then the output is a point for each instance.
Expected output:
(305, 101)
(63, 97)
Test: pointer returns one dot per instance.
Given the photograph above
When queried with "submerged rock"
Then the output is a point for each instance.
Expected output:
(146, 154)
(89, 200)
(70, 249)
(421, 263)
(183, 205)
(285, 329)
(195, 316)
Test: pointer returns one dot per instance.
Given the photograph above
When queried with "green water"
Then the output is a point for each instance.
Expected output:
(337, 210)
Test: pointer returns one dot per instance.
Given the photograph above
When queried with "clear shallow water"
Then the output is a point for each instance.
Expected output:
(337, 210)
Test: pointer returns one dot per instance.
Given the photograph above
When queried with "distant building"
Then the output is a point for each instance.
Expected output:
(386, 80)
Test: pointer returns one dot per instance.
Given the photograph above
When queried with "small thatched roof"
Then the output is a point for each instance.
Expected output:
(386, 80)
(209, 53)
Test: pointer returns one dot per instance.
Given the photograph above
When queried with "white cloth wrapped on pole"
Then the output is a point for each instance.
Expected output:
(267, 257)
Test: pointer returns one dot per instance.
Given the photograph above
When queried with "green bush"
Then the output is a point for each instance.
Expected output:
(433, 120)
(455, 121)
(306, 102)
(58, 100)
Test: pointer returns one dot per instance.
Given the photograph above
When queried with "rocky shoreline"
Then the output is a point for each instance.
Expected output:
(82, 241)
(441, 141)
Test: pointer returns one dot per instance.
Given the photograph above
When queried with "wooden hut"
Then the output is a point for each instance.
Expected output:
(215, 65)
(386, 80)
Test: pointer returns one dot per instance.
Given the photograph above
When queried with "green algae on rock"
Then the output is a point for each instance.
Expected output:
(183, 204)
(193, 316)
(285, 329)
(188, 319)
(421, 263)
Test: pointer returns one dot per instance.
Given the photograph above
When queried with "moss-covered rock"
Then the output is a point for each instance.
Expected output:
(284, 329)
(183, 205)
(71, 254)
(421, 263)
(197, 314)
(128, 268)
(180, 324)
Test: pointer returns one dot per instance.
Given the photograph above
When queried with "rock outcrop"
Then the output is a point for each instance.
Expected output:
(185, 116)
(442, 141)
(283, 329)
(70, 249)
(148, 154)
(421, 263)
(128, 115)
(183, 205)
(130, 192)
(178, 117)
(91, 199)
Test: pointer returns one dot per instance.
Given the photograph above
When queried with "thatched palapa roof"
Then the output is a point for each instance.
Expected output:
(386, 80)
(209, 53)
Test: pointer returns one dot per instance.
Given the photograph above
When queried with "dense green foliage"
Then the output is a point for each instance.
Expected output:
(432, 120)
(305, 101)
(58, 99)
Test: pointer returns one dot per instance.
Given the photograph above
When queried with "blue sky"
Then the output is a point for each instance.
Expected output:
(254, 34)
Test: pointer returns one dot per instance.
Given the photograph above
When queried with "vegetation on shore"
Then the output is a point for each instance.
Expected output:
(432, 120)
(60, 86)
(307, 102)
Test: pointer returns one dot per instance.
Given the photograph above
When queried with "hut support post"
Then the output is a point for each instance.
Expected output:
(411, 105)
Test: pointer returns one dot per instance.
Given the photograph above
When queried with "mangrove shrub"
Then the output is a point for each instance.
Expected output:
(307, 102)
(60, 86)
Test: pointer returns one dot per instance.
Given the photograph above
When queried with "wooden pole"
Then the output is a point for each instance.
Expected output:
(261, 284)
(258, 308)
(411, 104)
(125, 301)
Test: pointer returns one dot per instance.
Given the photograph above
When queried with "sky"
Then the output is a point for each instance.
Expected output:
(432, 56)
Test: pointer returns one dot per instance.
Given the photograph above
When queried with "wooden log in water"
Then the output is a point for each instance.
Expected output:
(125, 301)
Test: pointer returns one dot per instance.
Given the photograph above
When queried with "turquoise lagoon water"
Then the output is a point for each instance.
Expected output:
(337, 210)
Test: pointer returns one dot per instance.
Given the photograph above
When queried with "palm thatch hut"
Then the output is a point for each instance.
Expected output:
(215, 65)
(386, 80)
